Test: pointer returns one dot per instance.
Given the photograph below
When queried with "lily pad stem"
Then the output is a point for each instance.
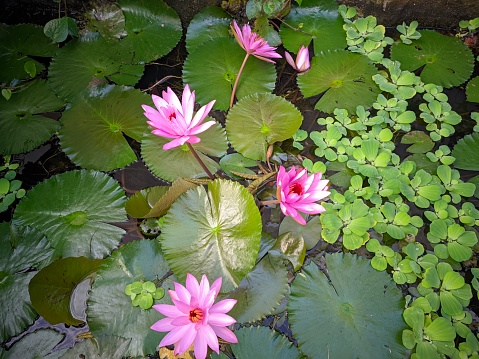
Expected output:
(197, 158)
(237, 79)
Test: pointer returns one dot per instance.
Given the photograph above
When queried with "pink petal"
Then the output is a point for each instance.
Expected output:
(223, 306)
(184, 308)
(175, 143)
(290, 60)
(176, 334)
(192, 139)
(182, 293)
(216, 286)
(158, 101)
(180, 321)
(163, 325)
(220, 319)
(201, 128)
(168, 310)
(204, 290)
(225, 334)
(185, 342)
(193, 286)
(200, 345)
(210, 337)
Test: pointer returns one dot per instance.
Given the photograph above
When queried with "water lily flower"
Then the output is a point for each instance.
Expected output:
(302, 60)
(174, 119)
(298, 192)
(194, 318)
(254, 44)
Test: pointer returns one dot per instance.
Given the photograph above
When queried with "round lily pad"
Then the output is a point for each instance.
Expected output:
(263, 342)
(153, 30)
(210, 23)
(108, 20)
(21, 249)
(74, 209)
(110, 310)
(447, 61)
(356, 303)
(23, 125)
(472, 90)
(97, 122)
(317, 21)
(344, 77)
(39, 344)
(212, 67)
(260, 120)
(465, 152)
(104, 347)
(17, 43)
(179, 161)
(215, 232)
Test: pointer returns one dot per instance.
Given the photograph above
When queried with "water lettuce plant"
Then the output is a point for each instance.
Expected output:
(335, 187)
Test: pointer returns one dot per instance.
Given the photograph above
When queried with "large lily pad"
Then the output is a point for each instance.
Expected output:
(260, 120)
(87, 62)
(215, 232)
(262, 342)
(261, 291)
(108, 20)
(212, 67)
(39, 344)
(317, 21)
(465, 152)
(359, 304)
(210, 23)
(97, 122)
(472, 90)
(447, 61)
(110, 311)
(153, 30)
(346, 79)
(21, 120)
(74, 209)
(21, 249)
(104, 347)
(179, 162)
(17, 43)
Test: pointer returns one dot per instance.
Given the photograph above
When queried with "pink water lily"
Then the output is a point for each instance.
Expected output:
(194, 319)
(254, 44)
(298, 192)
(174, 119)
(302, 60)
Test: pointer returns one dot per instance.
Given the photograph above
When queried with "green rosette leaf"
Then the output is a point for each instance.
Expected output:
(21, 120)
(260, 120)
(179, 162)
(74, 209)
(317, 21)
(211, 70)
(262, 342)
(97, 123)
(357, 302)
(210, 23)
(153, 30)
(261, 291)
(344, 77)
(136, 261)
(446, 61)
(465, 152)
(215, 232)
(17, 44)
(21, 249)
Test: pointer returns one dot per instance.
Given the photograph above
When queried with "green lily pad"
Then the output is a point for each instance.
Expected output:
(472, 90)
(357, 303)
(311, 232)
(210, 23)
(97, 122)
(108, 20)
(263, 342)
(23, 125)
(178, 162)
(52, 288)
(316, 20)
(74, 209)
(261, 291)
(465, 152)
(136, 261)
(447, 61)
(238, 163)
(212, 67)
(153, 30)
(21, 249)
(215, 232)
(17, 43)
(39, 344)
(104, 347)
(260, 120)
(346, 79)
(87, 62)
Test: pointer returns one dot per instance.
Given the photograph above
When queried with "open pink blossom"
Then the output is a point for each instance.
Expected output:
(254, 44)
(194, 318)
(174, 119)
(302, 60)
(298, 192)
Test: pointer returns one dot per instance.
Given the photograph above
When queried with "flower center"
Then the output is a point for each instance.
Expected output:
(196, 315)
(172, 116)
(296, 188)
